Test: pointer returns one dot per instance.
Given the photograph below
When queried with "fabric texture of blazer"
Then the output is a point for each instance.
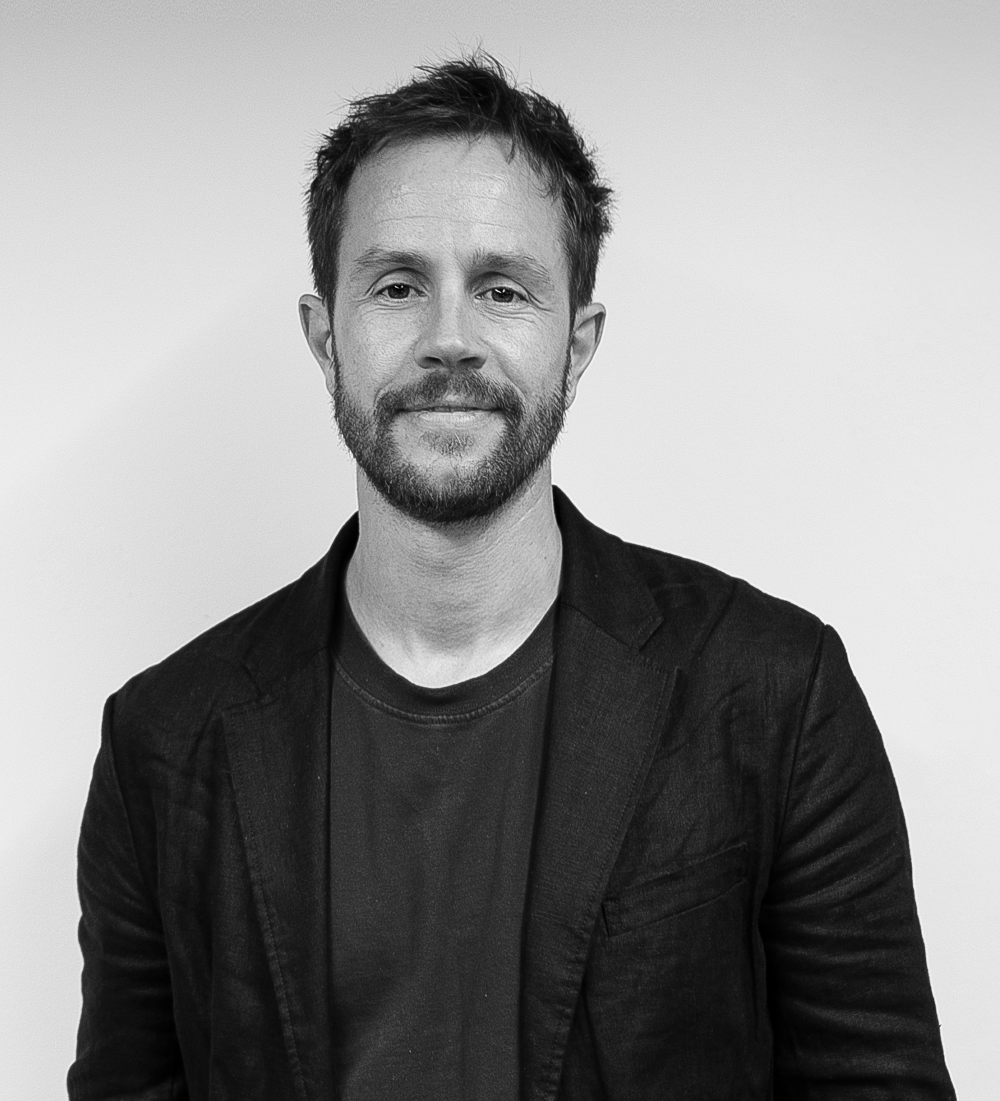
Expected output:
(719, 902)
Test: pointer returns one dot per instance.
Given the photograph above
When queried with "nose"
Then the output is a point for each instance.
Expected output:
(450, 335)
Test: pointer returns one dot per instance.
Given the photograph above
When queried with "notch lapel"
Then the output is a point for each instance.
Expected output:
(618, 660)
(609, 708)
(279, 755)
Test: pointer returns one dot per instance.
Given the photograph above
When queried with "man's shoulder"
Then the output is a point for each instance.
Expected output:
(672, 578)
(715, 613)
(234, 662)
(676, 609)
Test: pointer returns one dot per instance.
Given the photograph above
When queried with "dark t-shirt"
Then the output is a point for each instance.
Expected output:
(433, 795)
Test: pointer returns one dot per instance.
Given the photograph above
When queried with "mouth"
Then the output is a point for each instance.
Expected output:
(451, 414)
(449, 418)
(450, 409)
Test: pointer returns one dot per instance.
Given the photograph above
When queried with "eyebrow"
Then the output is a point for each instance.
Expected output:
(387, 258)
(519, 264)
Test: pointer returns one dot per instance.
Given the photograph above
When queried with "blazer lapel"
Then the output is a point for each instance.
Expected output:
(279, 756)
(609, 706)
(609, 709)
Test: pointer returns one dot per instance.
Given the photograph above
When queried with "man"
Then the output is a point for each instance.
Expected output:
(490, 804)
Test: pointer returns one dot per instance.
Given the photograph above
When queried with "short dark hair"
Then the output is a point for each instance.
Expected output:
(474, 97)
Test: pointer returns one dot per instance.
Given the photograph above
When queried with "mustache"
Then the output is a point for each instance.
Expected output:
(439, 387)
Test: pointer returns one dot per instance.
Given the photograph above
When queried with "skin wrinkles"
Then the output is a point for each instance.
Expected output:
(488, 184)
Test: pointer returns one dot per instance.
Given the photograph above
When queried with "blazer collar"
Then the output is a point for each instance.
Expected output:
(600, 578)
(295, 624)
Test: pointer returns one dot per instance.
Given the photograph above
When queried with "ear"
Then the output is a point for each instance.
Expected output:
(315, 320)
(588, 327)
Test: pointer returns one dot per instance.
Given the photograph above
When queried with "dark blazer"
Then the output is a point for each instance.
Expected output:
(719, 903)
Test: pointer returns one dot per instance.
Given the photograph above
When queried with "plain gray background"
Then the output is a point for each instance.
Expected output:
(797, 384)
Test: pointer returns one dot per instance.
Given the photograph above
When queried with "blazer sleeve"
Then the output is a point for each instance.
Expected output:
(848, 989)
(127, 1046)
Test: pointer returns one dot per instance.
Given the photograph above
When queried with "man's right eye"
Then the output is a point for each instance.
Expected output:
(398, 292)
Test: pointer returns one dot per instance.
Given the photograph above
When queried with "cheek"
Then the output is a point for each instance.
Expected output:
(370, 351)
(534, 360)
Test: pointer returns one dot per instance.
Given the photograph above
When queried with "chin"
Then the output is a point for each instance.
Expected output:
(461, 497)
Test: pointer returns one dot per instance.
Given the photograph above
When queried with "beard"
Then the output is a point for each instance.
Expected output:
(481, 490)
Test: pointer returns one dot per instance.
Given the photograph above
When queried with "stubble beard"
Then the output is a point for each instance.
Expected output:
(472, 493)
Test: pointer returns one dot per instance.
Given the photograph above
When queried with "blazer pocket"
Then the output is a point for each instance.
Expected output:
(681, 889)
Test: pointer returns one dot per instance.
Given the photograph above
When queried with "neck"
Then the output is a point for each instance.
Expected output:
(444, 602)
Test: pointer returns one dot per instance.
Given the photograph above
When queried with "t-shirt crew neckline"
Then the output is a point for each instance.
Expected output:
(381, 686)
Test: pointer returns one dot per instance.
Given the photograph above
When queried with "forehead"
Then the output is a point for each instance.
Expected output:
(452, 194)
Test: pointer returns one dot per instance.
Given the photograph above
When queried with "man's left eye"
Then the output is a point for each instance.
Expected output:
(504, 295)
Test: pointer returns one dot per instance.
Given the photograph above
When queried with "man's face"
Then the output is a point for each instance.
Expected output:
(452, 358)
